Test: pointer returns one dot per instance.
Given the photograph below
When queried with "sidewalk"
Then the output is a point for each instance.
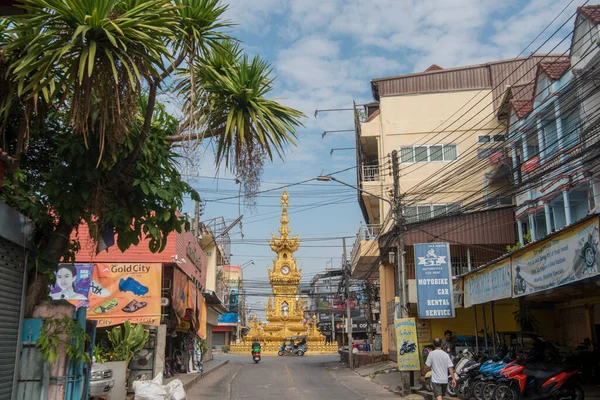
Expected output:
(189, 380)
(370, 381)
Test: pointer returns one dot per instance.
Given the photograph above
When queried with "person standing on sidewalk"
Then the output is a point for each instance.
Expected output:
(439, 362)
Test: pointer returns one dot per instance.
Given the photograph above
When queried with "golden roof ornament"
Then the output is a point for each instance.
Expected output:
(284, 242)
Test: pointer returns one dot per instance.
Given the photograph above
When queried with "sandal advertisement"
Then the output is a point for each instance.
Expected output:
(125, 292)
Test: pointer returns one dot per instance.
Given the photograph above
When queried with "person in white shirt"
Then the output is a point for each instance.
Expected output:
(439, 362)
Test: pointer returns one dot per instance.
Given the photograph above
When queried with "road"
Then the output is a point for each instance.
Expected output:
(289, 378)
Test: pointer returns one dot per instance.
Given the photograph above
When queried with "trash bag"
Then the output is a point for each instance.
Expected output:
(150, 390)
(175, 390)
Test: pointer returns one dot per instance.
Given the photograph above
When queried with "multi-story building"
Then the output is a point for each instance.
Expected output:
(443, 125)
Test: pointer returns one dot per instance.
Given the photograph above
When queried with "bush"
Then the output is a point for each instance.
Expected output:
(225, 349)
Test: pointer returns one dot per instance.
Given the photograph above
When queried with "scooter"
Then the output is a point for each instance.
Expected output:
(256, 356)
(540, 382)
(408, 347)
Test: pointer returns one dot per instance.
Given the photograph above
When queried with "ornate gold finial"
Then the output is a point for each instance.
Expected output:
(284, 230)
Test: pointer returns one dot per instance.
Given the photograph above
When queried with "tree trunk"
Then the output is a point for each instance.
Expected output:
(57, 248)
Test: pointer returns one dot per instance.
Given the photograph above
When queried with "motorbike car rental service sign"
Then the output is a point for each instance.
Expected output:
(407, 344)
(493, 283)
(434, 280)
(568, 257)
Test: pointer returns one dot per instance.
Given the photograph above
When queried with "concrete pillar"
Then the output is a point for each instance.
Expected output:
(540, 137)
(567, 206)
(513, 149)
(548, 216)
(524, 144)
(559, 129)
(532, 227)
(520, 227)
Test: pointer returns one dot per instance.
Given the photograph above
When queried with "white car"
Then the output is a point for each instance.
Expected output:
(101, 381)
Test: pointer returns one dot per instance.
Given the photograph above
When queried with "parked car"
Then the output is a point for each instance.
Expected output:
(101, 380)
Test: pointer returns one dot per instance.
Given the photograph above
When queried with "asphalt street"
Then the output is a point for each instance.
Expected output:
(289, 378)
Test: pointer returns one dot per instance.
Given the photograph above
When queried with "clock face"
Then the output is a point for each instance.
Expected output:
(285, 270)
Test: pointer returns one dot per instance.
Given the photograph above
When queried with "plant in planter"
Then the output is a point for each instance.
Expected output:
(127, 340)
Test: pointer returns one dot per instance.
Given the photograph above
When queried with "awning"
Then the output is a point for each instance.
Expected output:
(213, 301)
(470, 228)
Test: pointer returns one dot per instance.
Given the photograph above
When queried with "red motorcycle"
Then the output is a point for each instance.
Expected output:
(539, 382)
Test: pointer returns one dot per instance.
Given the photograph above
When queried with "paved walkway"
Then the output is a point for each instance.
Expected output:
(190, 380)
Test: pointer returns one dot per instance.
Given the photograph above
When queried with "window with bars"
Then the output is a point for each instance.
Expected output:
(426, 153)
(422, 212)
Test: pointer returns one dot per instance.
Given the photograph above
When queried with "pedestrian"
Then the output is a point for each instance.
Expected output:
(448, 344)
(439, 362)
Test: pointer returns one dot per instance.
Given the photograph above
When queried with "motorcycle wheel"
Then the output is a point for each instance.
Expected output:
(300, 353)
(478, 389)
(256, 361)
(401, 352)
(505, 392)
(280, 353)
(464, 389)
(573, 391)
(428, 386)
(451, 390)
(488, 391)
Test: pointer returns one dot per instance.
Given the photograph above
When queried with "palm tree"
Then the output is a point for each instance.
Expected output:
(93, 60)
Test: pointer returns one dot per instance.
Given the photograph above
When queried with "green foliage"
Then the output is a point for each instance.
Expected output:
(100, 354)
(62, 334)
(126, 341)
(525, 317)
(510, 249)
(78, 88)
(203, 345)
(225, 349)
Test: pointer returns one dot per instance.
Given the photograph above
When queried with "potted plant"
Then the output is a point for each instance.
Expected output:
(125, 342)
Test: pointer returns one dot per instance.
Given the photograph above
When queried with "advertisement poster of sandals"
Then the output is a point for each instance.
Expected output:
(113, 293)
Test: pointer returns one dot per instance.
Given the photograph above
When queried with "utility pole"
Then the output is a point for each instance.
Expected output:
(348, 311)
(397, 213)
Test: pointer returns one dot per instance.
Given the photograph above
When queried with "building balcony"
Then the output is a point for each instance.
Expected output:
(370, 173)
(365, 251)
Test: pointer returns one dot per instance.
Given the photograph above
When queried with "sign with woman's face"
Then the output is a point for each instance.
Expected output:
(72, 283)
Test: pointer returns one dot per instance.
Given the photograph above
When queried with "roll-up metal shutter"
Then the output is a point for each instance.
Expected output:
(218, 338)
(12, 264)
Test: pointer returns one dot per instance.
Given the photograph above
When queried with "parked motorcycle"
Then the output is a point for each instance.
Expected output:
(408, 347)
(540, 382)
(464, 384)
(489, 371)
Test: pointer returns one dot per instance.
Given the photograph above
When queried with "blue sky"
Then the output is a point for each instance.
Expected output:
(324, 52)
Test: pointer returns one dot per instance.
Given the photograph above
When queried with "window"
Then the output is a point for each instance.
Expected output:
(483, 139)
(438, 152)
(422, 212)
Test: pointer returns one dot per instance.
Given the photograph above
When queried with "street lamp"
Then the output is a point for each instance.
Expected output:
(399, 242)
(244, 265)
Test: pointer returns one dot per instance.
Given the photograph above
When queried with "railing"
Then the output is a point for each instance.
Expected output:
(365, 233)
(370, 173)
(498, 201)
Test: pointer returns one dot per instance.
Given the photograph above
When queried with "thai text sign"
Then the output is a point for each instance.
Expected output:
(493, 283)
(407, 344)
(434, 280)
(122, 292)
(567, 258)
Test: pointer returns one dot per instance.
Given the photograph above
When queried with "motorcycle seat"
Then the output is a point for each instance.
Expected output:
(543, 372)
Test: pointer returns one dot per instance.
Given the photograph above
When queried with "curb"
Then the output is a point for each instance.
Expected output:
(188, 385)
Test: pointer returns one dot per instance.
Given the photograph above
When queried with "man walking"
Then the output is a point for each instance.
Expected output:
(439, 362)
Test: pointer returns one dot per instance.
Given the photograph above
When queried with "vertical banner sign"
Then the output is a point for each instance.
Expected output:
(407, 344)
(72, 284)
(569, 257)
(434, 280)
(122, 292)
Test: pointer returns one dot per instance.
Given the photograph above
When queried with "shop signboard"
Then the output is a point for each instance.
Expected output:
(126, 292)
(493, 283)
(72, 284)
(228, 318)
(434, 280)
(407, 344)
(423, 331)
(568, 257)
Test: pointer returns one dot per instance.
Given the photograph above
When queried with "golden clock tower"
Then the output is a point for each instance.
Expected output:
(285, 308)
